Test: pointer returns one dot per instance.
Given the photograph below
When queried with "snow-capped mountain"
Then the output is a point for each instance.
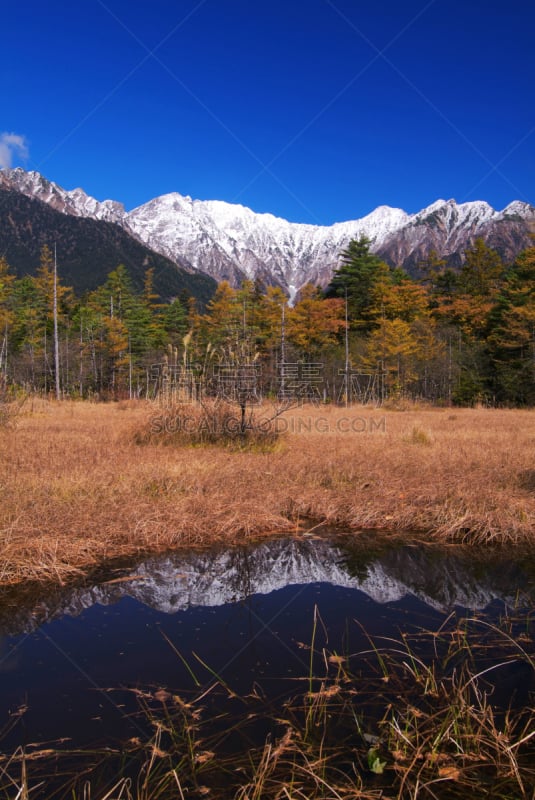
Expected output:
(176, 582)
(231, 242)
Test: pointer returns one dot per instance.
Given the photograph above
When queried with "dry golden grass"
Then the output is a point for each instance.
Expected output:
(76, 489)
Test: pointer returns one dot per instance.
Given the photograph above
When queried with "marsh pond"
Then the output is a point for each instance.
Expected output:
(226, 640)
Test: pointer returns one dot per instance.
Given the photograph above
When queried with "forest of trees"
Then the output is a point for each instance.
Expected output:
(449, 336)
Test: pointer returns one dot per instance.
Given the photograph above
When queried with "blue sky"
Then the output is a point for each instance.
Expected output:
(314, 110)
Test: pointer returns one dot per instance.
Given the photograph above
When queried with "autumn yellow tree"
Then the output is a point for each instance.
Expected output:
(314, 323)
(274, 317)
(223, 318)
(390, 351)
(406, 300)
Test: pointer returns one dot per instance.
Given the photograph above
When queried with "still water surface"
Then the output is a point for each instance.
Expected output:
(71, 660)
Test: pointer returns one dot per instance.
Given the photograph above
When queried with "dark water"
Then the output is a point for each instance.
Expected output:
(248, 616)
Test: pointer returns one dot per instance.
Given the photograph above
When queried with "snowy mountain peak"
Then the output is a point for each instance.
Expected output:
(472, 208)
(387, 214)
(436, 206)
(517, 208)
(476, 208)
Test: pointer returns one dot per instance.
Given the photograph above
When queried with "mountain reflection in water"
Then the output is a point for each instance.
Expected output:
(246, 614)
(442, 579)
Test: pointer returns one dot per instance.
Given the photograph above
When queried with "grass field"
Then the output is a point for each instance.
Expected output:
(81, 483)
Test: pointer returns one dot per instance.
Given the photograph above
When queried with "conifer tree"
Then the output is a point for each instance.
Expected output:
(512, 335)
(357, 279)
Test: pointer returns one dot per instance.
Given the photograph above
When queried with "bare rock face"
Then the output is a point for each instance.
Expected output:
(231, 242)
(76, 203)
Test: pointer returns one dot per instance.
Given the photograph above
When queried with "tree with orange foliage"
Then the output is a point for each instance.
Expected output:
(314, 323)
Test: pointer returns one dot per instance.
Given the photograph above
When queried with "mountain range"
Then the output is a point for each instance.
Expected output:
(231, 242)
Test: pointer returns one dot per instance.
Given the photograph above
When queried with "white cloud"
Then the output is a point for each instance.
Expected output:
(12, 145)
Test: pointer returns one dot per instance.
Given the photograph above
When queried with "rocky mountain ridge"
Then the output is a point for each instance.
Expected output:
(88, 249)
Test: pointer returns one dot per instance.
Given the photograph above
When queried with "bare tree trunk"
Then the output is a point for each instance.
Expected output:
(56, 337)
(129, 369)
(3, 354)
(46, 364)
(348, 397)
(81, 371)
